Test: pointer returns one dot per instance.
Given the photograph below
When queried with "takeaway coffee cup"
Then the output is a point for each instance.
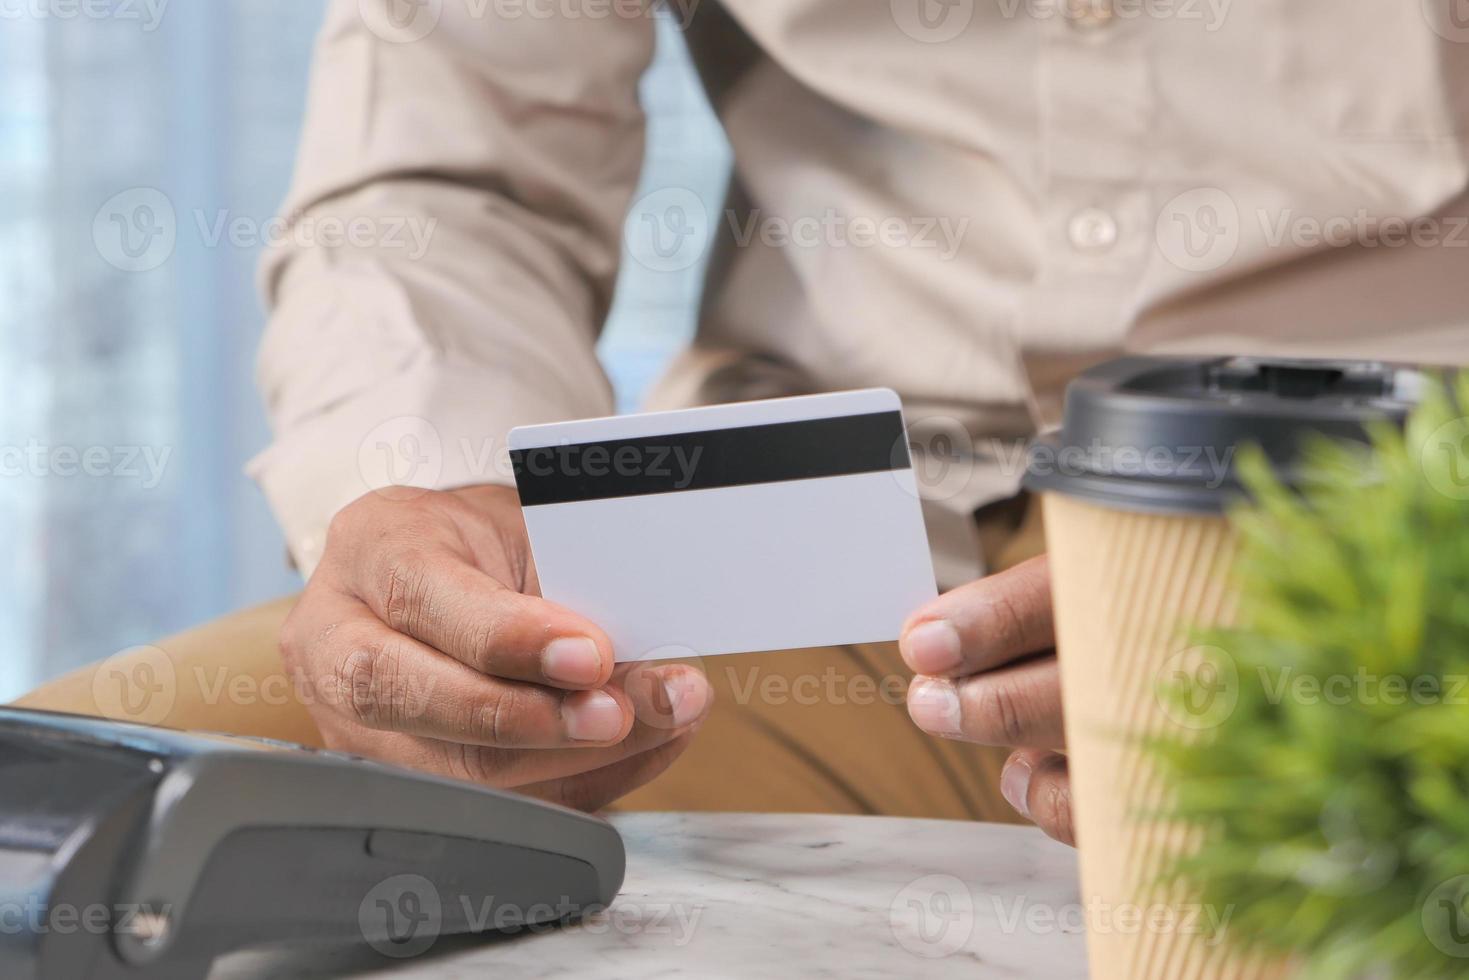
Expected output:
(1134, 488)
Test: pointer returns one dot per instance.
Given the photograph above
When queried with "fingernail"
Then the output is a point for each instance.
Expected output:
(1015, 785)
(933, 704)
(932, 647)
(572, 660)
(592, 716)
(687, 697)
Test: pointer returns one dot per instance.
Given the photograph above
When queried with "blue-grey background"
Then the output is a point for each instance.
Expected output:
(203, 104)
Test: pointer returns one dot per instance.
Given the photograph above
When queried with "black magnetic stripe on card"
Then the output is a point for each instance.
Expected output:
(743, 456)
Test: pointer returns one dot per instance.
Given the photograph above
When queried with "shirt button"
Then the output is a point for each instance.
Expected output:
(1092, 230)
(1089, 15)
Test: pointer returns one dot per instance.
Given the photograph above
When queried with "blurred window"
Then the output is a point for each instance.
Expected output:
(128, 323)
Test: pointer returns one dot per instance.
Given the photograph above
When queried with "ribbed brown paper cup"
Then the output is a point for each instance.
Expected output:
(1134, 492)
(1127, 586)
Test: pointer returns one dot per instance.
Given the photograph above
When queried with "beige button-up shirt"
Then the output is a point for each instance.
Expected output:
(964, 200)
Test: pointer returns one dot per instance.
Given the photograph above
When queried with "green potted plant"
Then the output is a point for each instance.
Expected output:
(1330, 806)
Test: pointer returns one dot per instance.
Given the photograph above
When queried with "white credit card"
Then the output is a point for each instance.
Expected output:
(766, 525)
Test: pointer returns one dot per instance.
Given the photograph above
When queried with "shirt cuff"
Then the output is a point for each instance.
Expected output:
(434, 425)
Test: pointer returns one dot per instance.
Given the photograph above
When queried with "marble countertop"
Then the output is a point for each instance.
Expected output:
(721, 895)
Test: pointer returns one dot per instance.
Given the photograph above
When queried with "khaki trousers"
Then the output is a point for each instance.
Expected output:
(822, 730)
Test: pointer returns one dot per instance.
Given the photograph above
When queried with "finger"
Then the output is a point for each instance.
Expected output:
(431, 593)
(594, 790)
(665, 695)
(660, 719)
(1037, 784)
(984, 624)
(1016, 705)
(386, 681)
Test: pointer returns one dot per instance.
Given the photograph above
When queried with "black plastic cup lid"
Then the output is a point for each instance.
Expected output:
(1163, 434)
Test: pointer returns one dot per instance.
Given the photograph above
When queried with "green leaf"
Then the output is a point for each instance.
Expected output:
(1334, 800)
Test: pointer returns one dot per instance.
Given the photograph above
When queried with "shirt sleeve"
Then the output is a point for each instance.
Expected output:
(448, 250)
